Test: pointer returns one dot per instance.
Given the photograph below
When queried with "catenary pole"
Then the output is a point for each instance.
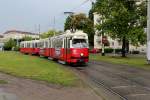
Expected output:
(148, 32)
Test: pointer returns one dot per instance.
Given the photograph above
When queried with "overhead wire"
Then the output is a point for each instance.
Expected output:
(84, 2)
(72, 10)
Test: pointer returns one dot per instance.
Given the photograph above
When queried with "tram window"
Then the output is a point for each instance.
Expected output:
(32, 45)
(46, 44)
(36, 45)
(49, 43)
(58, 43)
(79, 43)
(28, 45)
(42, 44)
(25, 45)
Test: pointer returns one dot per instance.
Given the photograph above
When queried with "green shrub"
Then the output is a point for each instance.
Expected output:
(135, 52)
(17, 48)
(10, 44)
(118, 50)
(109, 50)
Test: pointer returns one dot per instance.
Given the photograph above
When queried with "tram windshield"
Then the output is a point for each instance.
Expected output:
(79, 43)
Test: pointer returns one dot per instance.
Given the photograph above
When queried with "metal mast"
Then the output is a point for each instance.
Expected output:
(148, 32)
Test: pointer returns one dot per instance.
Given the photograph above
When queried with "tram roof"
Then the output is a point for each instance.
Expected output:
(70, 34)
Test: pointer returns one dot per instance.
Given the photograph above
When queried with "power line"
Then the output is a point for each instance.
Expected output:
(71, 11)
(84, 2)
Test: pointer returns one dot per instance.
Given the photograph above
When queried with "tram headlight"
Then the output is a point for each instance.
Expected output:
(81, 54)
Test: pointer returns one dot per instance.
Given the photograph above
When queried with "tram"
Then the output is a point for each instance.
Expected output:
(68, 47)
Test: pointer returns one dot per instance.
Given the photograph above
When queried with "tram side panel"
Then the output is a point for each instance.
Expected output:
(52, 49)
(36, 51)
(44, 49)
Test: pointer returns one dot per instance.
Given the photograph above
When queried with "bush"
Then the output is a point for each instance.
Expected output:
(10, 44)
(17, 48)
(109, 50)
(118, 50)
(135, 52)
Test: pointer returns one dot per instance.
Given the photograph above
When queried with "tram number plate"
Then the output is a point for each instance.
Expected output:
(81, 60)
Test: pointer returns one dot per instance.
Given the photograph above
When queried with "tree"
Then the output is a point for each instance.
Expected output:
(27, 38)
(50, 33)
(10, 44)
(80, 22)
(121, 20)
(142, 11)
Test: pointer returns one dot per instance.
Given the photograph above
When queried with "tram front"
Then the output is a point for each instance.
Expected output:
(79, 48)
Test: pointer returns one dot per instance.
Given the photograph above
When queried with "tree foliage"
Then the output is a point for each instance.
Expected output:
(10, 44)
(122, 19)
(50, 33)
(27, 38)
(80, 22)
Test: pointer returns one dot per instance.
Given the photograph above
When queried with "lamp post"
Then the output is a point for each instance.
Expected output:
(148, 32)
(70, 13)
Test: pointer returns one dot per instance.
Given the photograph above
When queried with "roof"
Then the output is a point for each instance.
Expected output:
(78, 33)
(20, 32)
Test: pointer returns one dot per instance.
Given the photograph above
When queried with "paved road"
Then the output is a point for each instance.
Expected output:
(127, 83)
(7, 96)
(19, 88)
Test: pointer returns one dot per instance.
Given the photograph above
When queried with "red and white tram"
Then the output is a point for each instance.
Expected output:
(30, 47)
(69, 47)
(44, 47)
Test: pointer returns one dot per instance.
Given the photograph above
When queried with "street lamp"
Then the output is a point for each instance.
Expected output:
(70, 13)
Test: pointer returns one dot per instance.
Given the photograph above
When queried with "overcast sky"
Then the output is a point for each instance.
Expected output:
(26, 15)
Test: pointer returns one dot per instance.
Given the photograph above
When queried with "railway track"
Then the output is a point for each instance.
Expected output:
(116, 83)
(101, 84)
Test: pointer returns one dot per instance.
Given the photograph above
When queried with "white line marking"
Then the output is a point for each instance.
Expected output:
(134, 95)
(115, 87)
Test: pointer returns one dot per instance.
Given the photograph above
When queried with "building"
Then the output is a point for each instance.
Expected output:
(18, 35)
(113, 43)
(1, 42)
(98, 38)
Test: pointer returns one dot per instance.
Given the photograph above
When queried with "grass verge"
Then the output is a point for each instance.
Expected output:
(33, 67)
(139, 62)
(3, 82)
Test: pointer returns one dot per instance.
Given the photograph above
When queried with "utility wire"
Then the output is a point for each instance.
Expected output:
(72, 10)
(84, 2)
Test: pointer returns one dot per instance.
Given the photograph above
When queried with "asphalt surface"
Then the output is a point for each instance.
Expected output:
(116, 82)
(19, 88)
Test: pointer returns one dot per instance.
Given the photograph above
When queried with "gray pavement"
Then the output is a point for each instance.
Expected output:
(19, 88)
(7, 96)
(126, 82)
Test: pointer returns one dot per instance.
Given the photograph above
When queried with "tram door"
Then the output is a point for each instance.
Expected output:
(66, 48)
